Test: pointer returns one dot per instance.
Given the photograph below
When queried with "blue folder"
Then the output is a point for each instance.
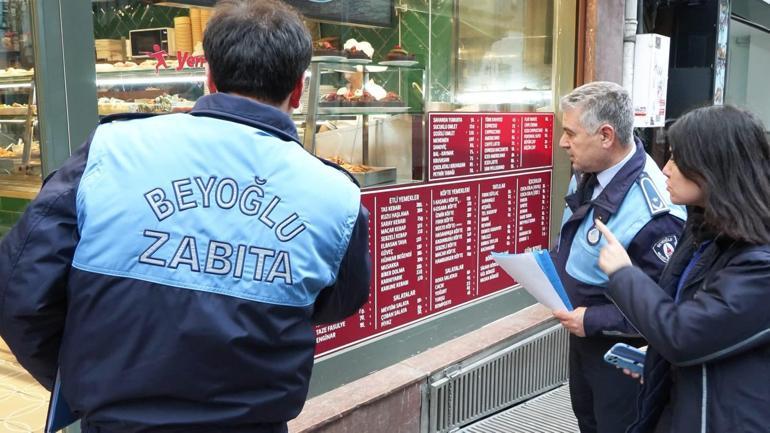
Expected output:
(59, 413)
(543, 258)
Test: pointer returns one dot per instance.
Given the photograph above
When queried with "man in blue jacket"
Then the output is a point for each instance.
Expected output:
(618, 183)
(175, 282)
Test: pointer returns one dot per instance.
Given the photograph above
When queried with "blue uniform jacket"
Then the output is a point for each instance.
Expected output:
(174, 266)
(636, 207)
(708, 363)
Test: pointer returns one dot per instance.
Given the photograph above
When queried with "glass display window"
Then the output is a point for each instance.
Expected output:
(504, 54)
(20, 172)
(363, 102)
(149, 58)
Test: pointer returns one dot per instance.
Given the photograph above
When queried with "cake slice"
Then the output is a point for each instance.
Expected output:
(398, 53)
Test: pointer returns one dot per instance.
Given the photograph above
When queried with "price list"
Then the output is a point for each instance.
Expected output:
(536, 139)
(454, 244)
(402, 251)
(360, 325)
(496, 143)
(454, 145)
(497, 228)
(467, 144)
(533, 211)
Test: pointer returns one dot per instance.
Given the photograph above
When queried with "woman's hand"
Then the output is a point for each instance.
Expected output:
(637, 376)
(612, 256)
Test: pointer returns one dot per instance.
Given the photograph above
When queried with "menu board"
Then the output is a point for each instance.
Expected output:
(402, 239)
(453, 210)
(497, 228)
(470, 144)
(534, 200)
(430, 247)
(361, 324)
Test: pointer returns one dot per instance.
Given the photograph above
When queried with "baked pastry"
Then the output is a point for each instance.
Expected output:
(364, 99)
(391, 100)
(354, 53)
(398, 53)
(358, 50)
(352, 168)
(327, 47)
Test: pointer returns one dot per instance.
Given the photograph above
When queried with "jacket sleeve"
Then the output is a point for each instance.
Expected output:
(351, 289)
(35, 260)
(727, 316)
(648, 253)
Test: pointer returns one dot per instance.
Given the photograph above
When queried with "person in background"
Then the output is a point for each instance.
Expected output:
(618, 183)
(174, 267)
(706, 321)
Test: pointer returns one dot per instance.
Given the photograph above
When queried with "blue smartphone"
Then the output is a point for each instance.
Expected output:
(624, 356)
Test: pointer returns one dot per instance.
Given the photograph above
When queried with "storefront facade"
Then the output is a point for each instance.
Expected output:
(453, 141)
(747, 44)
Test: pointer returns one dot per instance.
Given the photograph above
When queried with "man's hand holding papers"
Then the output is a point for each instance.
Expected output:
(535, 271)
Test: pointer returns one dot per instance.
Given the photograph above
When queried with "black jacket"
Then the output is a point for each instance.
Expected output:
(708, 364)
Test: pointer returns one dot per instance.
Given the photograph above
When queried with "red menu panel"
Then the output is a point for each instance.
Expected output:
(496, 143)
(454, 243)
(533, 211)
(536, 138)
(402, 242)
(467, 144)
(454, 145)
(497, 226)
(360, 325)
(430, 247)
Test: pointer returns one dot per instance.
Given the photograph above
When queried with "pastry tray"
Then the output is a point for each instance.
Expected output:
(376, 176)
(361, 110)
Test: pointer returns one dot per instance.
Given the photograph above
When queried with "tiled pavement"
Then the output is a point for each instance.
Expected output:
(23, 402)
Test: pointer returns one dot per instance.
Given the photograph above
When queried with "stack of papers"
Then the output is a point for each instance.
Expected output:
(536, 272)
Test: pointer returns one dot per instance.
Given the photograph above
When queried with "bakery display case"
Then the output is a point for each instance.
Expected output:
(365, 116)
(20, 161)
(19, 143)
(363, 104)
(128, 87)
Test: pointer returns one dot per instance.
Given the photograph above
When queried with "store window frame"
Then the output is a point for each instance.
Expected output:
(66, 80)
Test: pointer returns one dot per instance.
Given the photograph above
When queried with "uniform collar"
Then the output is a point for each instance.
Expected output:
(613, 194)
(604, 177)
(247, 111)
(609, 200)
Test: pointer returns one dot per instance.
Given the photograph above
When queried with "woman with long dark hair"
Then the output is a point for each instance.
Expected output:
(708, 319)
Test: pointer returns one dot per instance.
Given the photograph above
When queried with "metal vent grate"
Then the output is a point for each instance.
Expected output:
(461, 395)
(548, 413)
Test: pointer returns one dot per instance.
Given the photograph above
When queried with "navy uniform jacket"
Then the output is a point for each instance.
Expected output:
(707, 368)
(174, 266)
(636, 207)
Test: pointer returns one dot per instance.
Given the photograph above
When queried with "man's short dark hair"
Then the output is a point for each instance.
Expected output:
(257, 48)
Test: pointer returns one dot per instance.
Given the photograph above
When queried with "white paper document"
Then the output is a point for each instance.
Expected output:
(535, 271)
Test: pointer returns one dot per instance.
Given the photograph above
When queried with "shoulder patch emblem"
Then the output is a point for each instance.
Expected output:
(665, 247)
(655, 202)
